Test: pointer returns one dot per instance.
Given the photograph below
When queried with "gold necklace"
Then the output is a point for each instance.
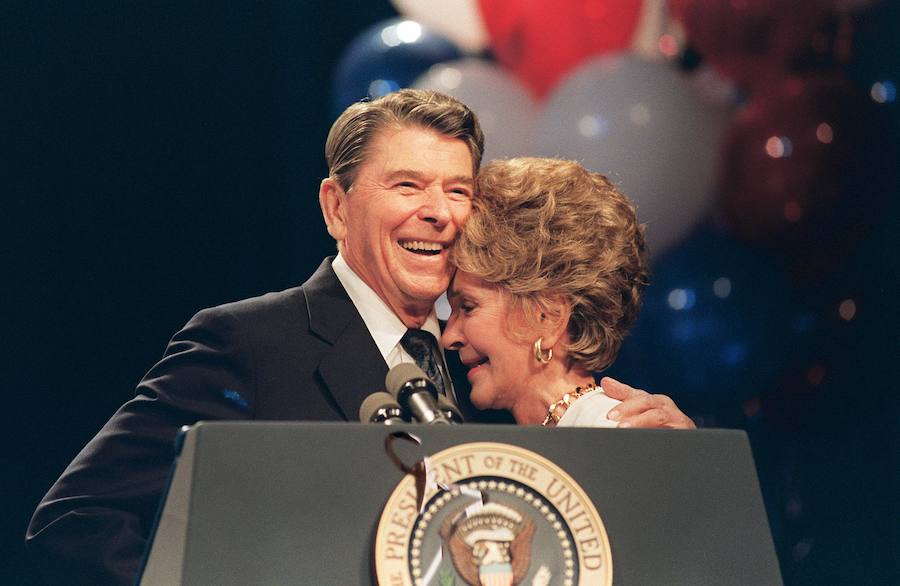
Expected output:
(558, 408)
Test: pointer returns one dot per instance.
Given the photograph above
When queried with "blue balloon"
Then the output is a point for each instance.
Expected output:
(386, 57)
(716, 327)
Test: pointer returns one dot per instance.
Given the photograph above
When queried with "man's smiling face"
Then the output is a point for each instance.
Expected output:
(404, 209)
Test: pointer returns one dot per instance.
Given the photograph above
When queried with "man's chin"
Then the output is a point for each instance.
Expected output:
(428, 289)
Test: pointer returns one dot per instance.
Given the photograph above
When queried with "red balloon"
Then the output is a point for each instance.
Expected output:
(540, 41)
(803, 168)
(750, 41)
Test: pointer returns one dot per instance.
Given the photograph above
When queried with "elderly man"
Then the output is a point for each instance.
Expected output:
(400, 184)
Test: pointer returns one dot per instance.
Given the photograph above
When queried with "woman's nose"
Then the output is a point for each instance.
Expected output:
(452, 338)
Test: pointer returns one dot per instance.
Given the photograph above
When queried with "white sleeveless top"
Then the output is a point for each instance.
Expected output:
(589, 410)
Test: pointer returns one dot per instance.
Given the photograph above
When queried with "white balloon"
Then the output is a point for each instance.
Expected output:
(641, 124)
(458, 20)
(504, 108)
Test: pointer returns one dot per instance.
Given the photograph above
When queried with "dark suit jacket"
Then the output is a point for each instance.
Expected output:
(300, 354)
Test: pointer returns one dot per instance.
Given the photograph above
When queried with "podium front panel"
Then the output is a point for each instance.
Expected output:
(299, 503)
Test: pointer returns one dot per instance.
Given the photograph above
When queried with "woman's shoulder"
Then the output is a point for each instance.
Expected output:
(589, 410)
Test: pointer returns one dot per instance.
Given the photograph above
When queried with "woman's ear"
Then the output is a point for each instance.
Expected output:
(554, 319)
(332, 200)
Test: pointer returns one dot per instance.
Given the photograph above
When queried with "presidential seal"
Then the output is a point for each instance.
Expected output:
(492, 515)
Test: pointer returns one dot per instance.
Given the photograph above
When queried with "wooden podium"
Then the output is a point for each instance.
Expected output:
(300, 503)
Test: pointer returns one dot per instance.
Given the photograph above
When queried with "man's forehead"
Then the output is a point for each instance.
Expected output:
(390, 142)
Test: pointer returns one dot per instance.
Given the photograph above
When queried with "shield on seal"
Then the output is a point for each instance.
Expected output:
(496, 575)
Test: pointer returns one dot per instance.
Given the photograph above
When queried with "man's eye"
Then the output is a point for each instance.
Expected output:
(466, 308)
(461, 192)
(407, 185)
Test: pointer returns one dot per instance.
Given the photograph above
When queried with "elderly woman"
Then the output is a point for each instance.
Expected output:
(551, 267)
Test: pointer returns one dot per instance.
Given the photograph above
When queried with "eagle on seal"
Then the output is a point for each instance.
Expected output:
(490, 545)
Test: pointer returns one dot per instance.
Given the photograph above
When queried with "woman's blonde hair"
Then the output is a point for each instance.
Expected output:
(548, 228)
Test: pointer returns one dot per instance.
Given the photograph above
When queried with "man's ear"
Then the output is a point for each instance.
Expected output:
(555, 314)
(332, 200)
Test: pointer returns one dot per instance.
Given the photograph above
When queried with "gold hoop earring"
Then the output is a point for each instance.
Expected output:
(539, 352)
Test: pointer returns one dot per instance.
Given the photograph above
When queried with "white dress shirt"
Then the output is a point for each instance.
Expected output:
(383, 324)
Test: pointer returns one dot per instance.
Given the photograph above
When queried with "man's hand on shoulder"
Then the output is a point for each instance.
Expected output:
(642, 409)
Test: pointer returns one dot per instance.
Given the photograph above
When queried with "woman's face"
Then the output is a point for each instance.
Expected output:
(480, 329)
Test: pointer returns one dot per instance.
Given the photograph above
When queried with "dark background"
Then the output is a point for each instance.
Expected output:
(160, 157)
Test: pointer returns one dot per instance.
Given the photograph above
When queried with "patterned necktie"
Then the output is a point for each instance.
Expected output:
(422, 346)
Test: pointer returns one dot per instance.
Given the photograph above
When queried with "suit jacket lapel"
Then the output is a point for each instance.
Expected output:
(353, 368)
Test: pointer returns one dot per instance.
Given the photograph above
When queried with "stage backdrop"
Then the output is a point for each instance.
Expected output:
(161, 157)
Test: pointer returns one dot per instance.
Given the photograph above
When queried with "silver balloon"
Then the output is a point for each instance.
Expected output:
(505, 109)
(458, 20)
(644, 126)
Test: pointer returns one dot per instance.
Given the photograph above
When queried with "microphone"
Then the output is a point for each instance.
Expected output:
(416, 393)
(381, 407)
(449, 409)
